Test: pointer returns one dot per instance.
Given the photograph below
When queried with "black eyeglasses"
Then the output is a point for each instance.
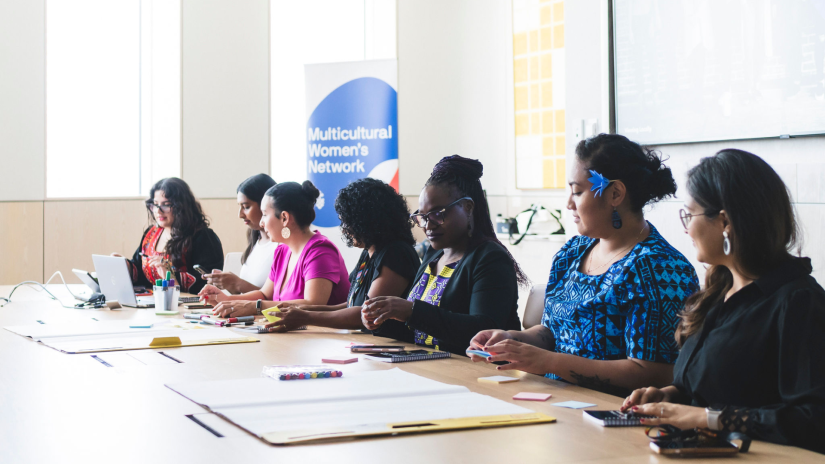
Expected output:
(437, 217)
(686, 217)
(151, 206)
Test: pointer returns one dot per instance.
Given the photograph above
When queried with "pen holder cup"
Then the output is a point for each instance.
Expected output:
(166, 300)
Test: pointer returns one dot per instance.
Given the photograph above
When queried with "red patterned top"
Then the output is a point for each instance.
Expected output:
(149, 248)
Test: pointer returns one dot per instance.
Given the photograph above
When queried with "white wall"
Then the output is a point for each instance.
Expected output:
(225, 94)
(452, 87)
(22, 100)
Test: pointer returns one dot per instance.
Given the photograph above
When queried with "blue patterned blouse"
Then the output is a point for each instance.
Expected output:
(630, 311)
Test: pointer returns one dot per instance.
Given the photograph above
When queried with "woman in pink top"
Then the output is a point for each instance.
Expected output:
(307, 267)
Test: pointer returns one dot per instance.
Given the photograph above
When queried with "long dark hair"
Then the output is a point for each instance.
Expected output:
(296, 199)
(373, 213)
(188, 216)
(641, 170)
(758, 205)
(464, 175)
(254, 188)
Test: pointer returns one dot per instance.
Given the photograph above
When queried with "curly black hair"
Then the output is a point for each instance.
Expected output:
(373, 213)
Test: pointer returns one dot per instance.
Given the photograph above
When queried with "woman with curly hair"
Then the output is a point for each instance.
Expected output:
(178, 239)
(373, 217)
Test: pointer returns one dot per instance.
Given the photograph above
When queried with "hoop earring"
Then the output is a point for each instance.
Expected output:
(617, 220)
(726, 247)
(285, 232)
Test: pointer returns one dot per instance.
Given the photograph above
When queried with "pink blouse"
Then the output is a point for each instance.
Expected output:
(320, 258)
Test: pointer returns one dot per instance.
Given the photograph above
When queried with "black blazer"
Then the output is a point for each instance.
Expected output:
(481, 294)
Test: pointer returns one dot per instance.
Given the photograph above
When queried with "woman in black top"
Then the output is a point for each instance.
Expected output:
(468, 281)
(373, 217)
(178, 239)
(753, 340)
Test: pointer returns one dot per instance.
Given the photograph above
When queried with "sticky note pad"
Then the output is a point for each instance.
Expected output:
(339, 360)
(573, 404)
(269, 316)
(498, 379)
(166, 313)
(141, 325)
(525, 396)
(483, 354)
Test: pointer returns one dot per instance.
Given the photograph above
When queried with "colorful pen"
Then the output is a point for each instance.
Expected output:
(206, 320)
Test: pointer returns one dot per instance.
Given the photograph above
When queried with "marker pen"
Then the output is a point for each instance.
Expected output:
(206, 320)
(193, 316)
(240, 319)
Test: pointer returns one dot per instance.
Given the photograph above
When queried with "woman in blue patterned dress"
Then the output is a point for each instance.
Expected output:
(616, 290)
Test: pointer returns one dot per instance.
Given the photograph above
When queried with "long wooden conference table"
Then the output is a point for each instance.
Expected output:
(57, 407)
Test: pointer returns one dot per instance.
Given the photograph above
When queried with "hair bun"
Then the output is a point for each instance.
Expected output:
(660, 183)
(310, 190)
(460, 166)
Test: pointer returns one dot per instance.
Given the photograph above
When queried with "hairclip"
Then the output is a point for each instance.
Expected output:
(599, 182)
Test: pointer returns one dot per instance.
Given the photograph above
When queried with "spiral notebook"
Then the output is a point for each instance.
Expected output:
(408, 356)
(615, 418)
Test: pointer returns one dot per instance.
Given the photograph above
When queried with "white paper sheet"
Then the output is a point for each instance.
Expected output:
(362, 400)
(137, 338)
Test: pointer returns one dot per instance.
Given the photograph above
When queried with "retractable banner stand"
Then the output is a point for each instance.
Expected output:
(352, 133)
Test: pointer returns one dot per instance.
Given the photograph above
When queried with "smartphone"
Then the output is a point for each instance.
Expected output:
(376, 349)
(695, 448)
(198, 306)
(198, 268)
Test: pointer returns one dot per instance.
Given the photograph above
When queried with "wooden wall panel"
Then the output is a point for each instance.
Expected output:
(74, 230)
(21, 242)
(223, 217)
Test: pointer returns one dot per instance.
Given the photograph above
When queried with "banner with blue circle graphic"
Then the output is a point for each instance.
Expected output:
(352, 131)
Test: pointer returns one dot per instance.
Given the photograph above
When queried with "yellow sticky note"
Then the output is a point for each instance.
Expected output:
(269, 316)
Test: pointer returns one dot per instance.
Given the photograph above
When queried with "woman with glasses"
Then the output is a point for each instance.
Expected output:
(374, 217)
(467, 282)
(615, 290)
(753, 340)
(307, 268)
(179, 239)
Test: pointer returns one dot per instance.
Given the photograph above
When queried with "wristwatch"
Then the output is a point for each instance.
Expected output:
(713, 418)
(259, 308)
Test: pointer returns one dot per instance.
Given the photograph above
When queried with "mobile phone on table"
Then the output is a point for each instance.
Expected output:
(198, 306)
(695, 448)
(376, 348)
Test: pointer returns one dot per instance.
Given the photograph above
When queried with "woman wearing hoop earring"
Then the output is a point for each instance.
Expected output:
(307, 268)
(753, 340)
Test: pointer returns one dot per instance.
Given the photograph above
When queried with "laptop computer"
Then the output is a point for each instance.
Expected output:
(116, 282)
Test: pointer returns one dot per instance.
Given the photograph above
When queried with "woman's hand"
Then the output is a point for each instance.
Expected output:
(223, 280)
(159, 264)
(521, 356)
(292, 317)
(486, 338)
(211, 294)
(677, 415)
(235, 308)
(645, 395)
(380, 309)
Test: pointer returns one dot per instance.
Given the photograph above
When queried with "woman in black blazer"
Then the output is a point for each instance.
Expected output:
(468, 282)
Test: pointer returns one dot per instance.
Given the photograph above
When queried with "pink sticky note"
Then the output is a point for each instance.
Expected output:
(339, 360)
(525, 396)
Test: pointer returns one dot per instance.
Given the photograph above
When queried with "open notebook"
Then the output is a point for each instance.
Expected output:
(361, 404)
(90, 337)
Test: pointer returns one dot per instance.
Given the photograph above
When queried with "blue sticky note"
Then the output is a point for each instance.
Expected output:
(479, 353)
(142, 325)
(573, 404)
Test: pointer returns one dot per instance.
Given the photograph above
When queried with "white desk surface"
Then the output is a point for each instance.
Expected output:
(57, 407)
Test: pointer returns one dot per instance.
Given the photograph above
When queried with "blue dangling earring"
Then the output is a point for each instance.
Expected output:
(617, 220)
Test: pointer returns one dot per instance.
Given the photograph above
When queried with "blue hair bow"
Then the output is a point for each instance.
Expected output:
(599, 182)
